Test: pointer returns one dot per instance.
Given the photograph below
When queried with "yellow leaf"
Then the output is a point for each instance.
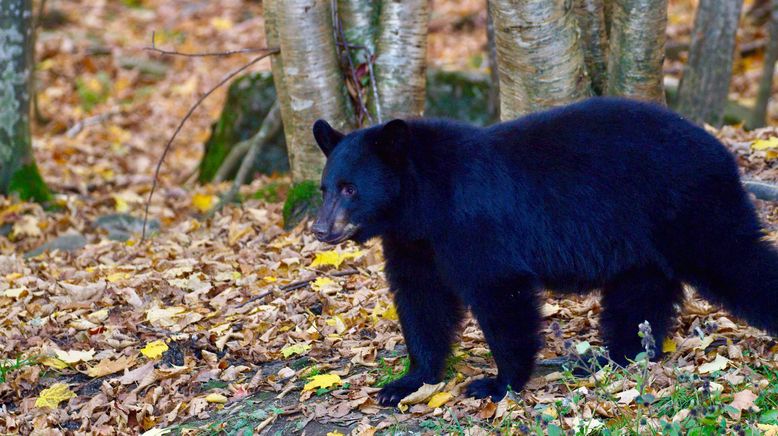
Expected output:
(154, 349)
(216, 398)
(768, 429)
(668, 346)
(323, 381)
(295, 349)
(51, 397)
(15, 292)
(765, 144)
(333, 258)
(421, 395)
(439, 399)
(115, 277)
(338, 323)
(718, 364)
(221, 23)
(53, 362)
(75, 356)
(121, 205)
(335, 433)
(203, 202)
(108, 366)
(325, 285)
(163, 317)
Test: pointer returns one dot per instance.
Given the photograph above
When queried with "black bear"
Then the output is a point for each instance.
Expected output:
(608, 194)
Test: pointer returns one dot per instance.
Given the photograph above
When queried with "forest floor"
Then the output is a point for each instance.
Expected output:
(228, 323)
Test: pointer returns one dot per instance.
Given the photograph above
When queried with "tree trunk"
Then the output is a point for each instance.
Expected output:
(360, 20)
(494, 73)
(759, 118)
(637, 49)
(310, 79)
(591, 20)
(401, 62)
(705, 83)
(18, 172)
(539, 55)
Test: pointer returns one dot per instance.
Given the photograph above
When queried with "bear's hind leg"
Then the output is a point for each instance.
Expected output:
(509, 317)
(644, 294)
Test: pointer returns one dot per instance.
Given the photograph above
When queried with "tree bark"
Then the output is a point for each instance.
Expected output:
(494, 73)
(401, 58)
(705, 83)
(637, 49)
(540, 59)
(360, 21)
(18, 172)
(759, 118)
(591, 20)
(308, 79)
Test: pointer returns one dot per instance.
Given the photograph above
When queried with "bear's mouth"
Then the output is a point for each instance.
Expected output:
(348, 231)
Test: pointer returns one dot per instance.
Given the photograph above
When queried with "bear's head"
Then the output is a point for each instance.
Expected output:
(361, 182)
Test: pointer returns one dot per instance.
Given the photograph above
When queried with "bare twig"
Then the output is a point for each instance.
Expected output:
(91, 121)
(154, 49)
(296, 285)
(226, 79)
(371, 73)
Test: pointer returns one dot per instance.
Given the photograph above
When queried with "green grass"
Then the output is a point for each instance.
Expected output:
(388, 373)
(8, 366)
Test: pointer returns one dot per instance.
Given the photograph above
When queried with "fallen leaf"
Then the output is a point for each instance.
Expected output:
(549, 309)
(718, 364)
(75, 356)
(216, 398)
(163, 316)
(51, 397)
(765, 144)
(15, 292)
(154, 349)
(295, 349)
(439, 399)
(669, 345)
(108, 366)
(203, 202)
(53, 362)
(628, 396)
(743, 400)
(323, 381)
(424, 393)
(333, 258)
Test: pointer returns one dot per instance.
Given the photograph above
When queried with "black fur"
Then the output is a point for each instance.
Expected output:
(606, 194)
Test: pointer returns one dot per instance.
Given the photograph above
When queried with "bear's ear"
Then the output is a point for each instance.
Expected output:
(393, 139)
(326, 136)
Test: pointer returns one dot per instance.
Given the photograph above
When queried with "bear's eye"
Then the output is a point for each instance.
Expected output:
(348, 190)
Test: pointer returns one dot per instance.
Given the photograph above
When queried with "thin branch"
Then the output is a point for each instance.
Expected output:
(154, 49)
(270, 126)
(371, 73)
(295, 285)
(226, 79)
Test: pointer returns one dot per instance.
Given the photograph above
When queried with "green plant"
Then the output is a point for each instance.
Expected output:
(387, 373)
(8, 366)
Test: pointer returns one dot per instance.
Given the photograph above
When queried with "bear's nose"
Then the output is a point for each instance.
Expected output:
(320, 230)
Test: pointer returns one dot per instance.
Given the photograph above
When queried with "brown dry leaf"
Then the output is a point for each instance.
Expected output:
(420, 395)
(110, 366)
(743, 400)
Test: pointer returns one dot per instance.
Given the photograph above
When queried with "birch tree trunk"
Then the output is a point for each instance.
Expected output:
(401, 61)
(310, 79)
(591, 20)
(539, 56)
(759, 118)
(18, 172)
(704, 86)
(360, 21)
(637, 49)
(494, 73)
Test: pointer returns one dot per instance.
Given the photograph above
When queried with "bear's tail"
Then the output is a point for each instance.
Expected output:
(745, 282)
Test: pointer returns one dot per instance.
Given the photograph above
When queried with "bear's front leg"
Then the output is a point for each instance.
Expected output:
(429, 314)
(508, 315)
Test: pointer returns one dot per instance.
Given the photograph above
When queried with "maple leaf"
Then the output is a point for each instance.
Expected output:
(743, 400)
(323, 381)
(295, 349)
(154, 349)
(333, 258)
(108, 366)
(52, 396)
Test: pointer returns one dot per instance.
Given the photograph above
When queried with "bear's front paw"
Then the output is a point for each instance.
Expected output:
(395, 391)
(487, 387)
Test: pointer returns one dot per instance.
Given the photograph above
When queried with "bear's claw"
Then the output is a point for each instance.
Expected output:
(487, 387)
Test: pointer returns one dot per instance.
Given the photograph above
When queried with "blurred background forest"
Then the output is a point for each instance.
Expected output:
(230, 296)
